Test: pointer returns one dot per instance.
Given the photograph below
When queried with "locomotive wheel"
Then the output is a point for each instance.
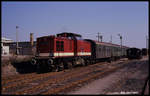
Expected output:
(50, 67)
(86, 62)
(83, 62)
(90, 61)
(55, 68)
(112, 58)
(69, 65)
(61, 66)
(93, 61)
(109, 60)
(73, 63)
(38, 68)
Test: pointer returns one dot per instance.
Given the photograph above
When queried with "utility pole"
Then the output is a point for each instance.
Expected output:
(101, 37)
(17, 51)
(98, 36)
(147, 46)
(120, 42)
(32, 42)
(146, 43)
(111, 39)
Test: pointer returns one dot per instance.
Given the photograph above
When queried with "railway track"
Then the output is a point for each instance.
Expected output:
(75, 83)
(25, 80)
(6, 80)
(54, 82)
(49, 75)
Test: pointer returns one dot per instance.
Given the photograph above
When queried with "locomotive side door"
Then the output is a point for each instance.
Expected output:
(75, 45)
(59, 48)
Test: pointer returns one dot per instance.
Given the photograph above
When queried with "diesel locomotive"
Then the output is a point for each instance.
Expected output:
(66, 50)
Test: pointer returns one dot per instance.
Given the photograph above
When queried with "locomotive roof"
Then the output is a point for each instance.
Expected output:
(69, 34)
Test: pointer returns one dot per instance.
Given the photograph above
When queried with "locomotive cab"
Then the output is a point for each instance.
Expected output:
(45, 46)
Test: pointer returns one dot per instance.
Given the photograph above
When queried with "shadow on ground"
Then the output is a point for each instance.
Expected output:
(24, 67)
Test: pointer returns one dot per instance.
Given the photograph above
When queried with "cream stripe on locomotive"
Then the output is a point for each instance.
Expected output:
(58, 54)
(64, 54)
(84, 53)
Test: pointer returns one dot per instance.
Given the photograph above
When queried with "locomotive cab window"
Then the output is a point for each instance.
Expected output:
(59, 46)
(62, 46)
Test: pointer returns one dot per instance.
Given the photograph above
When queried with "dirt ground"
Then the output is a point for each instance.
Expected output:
(9, 68)
(128, 80)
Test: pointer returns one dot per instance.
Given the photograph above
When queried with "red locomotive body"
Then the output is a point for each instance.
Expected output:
(56, 47)
(83, 48)
(54, 51)
(61, 46)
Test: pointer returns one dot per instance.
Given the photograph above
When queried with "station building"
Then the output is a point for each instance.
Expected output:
(24, 47)
(4, 47)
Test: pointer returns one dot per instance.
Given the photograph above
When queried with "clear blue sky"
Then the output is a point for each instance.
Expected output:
(130, 19)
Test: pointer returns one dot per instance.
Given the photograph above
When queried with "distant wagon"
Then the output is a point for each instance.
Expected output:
(144, 51)
(134, 53)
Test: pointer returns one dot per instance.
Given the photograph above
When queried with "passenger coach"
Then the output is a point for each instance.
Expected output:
(106, 51)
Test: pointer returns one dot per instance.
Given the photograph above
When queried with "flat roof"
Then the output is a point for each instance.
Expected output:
(6, 40)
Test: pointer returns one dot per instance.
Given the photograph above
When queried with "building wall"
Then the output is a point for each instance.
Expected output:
(25, 48)
(5, 50)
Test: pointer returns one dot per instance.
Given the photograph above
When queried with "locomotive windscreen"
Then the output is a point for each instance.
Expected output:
(45, 46)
